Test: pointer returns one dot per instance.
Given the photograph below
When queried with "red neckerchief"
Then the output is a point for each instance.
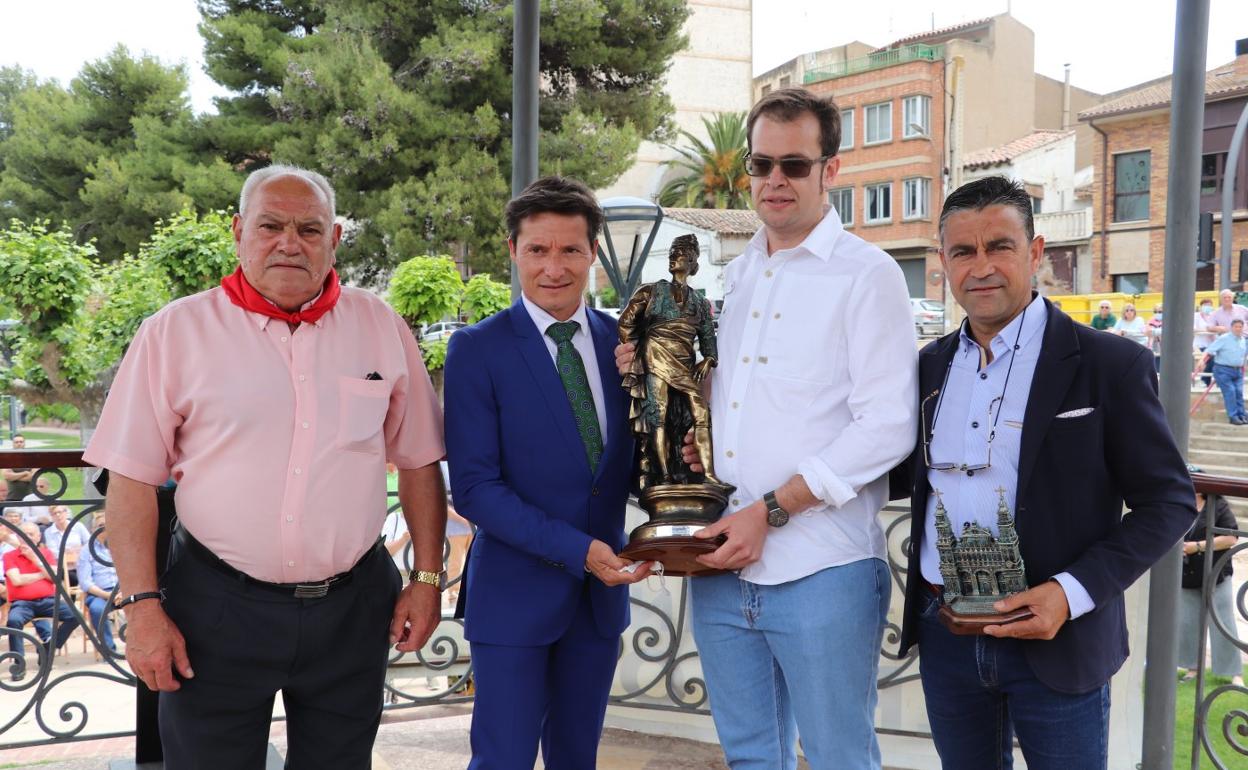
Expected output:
(241, 293)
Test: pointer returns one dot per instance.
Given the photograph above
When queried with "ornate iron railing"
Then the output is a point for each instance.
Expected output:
(1233, 727)
(658, 668)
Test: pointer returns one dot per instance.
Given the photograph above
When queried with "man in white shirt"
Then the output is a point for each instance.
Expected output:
(813, 401)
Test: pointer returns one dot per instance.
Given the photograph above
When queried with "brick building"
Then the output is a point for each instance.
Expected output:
(911, 111)
(1131, 162)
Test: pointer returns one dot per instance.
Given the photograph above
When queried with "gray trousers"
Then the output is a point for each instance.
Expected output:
(1227, 660)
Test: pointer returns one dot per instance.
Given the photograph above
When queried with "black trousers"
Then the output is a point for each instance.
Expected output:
(326, 656)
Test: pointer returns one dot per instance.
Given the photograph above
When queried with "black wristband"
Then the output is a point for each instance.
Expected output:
(132, 598)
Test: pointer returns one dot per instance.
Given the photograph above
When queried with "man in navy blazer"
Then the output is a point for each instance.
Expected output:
(540, 454)
(1062, 424)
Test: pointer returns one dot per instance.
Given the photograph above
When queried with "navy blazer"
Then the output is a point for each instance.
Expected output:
(1073, 476)
(520, 473)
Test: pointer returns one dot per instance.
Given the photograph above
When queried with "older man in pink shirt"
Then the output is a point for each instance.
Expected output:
(274, 402)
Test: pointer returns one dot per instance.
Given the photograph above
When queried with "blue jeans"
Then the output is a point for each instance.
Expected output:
(1231, 382)
(95, 607)
(981, 692)
(21, 612)
(799, 657)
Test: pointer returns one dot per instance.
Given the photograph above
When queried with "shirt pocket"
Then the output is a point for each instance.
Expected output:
(362, 407)
(802, 340)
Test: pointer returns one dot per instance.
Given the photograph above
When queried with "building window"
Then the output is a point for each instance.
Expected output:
(1131, 180)
(878, 123)
(766, 89)
(1131, 283)
(1211, 173)
(916, 116)
(847, 129)
(879, 203)
(784, 81)
(842, 199)
(914, 197)
(1036, 204)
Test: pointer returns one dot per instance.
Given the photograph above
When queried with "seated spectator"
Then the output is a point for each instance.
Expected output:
(39, 514)
(4, 492)
(97, 578)
(75, 536)
(8, 532)
(19, 478)
(1131, 325)
(32, 591)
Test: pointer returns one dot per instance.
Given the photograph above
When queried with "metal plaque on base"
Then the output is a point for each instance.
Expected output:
(677, 512)
(978, 570)
(672, 326)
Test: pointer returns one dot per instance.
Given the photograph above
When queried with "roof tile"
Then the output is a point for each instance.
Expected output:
(1012, 149)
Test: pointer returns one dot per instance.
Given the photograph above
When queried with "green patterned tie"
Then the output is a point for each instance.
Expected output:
(572, 372)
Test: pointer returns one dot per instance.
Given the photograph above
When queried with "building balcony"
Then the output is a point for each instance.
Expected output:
(1065, 226)
(874, 61)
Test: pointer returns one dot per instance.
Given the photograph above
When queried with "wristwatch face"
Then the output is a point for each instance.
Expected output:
(777, 517)
(436, 579)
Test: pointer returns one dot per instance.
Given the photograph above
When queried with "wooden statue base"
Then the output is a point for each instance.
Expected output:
(678, 554)
(676, 512)
(964, 624)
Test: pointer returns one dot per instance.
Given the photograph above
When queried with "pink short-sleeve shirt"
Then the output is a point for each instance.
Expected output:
(277, 439)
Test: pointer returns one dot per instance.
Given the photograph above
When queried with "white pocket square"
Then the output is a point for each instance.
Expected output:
(1076, 413)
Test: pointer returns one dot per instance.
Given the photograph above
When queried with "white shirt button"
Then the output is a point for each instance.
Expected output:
(728, 453)
(285, 338)
(290, 518)
(290, 564)
(298, 471)
(735, 405)
(777, 315)
(745, 359)
(756, 314)
(302, 378)
(305, 423)
(768, 273)
(736, 501)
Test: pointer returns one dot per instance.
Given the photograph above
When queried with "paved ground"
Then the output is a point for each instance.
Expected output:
(431, 738)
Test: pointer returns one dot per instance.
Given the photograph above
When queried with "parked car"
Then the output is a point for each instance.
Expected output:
(929, 317)
(440, 330)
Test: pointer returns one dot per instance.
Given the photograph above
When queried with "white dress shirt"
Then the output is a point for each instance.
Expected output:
(961, 430)
(583, 341)
(816, 376)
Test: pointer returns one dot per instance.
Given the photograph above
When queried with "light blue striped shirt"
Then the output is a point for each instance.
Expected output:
(92, 570)
(961, 433)
(1228, 350)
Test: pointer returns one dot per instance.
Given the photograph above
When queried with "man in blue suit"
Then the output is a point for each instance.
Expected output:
(540, 454)
(1061, 424)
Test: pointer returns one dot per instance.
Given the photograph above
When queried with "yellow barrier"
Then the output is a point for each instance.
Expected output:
(1082, 307)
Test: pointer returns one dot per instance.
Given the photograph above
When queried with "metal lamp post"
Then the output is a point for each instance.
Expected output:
(633, 223)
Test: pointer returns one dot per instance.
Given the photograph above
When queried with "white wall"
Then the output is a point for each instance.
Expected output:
(713, 74)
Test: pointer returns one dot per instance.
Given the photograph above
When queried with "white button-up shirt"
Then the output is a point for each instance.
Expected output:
(961, 430)
(817, 376)
(583, 341)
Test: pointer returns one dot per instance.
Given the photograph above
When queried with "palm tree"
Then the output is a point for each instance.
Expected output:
(716, 178)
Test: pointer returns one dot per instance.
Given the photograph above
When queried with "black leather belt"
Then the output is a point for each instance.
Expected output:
(312, 590)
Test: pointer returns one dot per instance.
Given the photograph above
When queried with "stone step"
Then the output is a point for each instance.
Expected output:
(1219, 457)
(1227, 443)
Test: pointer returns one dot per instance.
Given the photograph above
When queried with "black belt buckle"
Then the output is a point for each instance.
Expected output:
(312, 590)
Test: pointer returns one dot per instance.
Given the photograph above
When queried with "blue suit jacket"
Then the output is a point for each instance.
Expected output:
(1073, 476)
(520, 473)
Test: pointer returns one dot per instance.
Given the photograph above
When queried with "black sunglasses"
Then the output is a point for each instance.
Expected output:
(792, 167)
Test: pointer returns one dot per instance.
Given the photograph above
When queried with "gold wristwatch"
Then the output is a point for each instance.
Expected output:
(435, 579)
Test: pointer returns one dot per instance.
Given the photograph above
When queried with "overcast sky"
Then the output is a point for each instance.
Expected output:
(1108, 46)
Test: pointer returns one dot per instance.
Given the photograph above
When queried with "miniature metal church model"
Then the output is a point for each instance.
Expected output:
(978, 569)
